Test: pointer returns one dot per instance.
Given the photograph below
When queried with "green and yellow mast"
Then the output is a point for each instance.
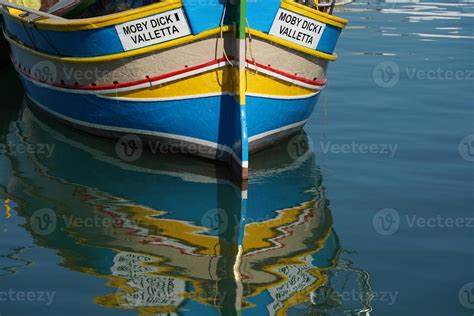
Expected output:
(241, 44)
(239, 119)
(241, 50)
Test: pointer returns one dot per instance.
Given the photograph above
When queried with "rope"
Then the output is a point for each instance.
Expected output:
(222, 32)
(221, 37)
(250, 47)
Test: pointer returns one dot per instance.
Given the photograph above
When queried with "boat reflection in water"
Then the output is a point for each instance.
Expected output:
(164, 232)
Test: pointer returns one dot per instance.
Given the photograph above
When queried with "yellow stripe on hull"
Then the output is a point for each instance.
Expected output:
(217, 82)
(207, 83)
(259, 83)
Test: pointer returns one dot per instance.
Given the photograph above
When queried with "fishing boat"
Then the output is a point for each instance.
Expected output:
(217, 79)
(160, 254)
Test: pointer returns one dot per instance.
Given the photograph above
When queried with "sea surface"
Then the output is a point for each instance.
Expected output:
(369, 212)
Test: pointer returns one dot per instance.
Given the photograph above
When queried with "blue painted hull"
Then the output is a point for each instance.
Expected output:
(204, 121)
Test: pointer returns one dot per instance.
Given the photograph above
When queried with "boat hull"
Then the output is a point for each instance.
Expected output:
(205, 93)
(200, 126)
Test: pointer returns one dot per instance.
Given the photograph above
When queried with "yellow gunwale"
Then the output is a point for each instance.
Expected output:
(280, 41)
(133, 14)
(98, 22)
(127, 54)
(314, 14)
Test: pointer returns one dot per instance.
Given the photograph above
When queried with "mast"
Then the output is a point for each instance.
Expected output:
(242, 86)
(240, 137)
(241, 44)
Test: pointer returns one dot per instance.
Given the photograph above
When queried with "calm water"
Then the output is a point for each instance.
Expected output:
(371, 212)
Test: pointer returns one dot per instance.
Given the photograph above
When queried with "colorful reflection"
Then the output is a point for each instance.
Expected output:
(164, 229)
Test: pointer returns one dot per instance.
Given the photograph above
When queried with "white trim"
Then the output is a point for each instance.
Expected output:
(186, 97)
(178, 77)
(206, 95)
(189, 97)
(283, 97)
(277, 130)
(198, 141)
(126, 89)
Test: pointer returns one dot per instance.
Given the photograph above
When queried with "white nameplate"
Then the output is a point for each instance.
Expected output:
(297, 28)
(155, 29)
